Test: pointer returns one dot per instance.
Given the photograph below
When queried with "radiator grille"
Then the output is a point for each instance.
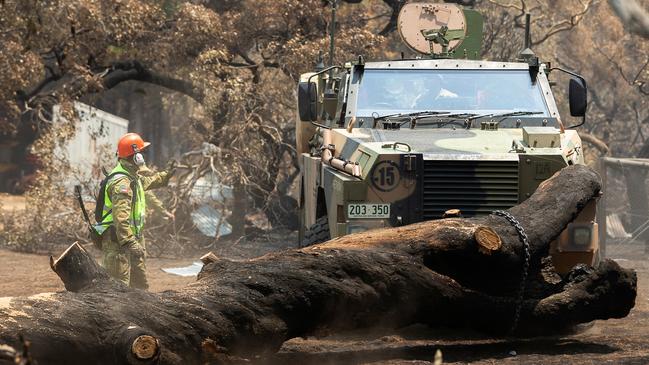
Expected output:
(474, 187)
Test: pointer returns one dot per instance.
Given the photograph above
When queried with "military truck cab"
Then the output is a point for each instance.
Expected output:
(390, 143)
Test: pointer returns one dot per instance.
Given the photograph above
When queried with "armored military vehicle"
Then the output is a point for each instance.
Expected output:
(390, 143)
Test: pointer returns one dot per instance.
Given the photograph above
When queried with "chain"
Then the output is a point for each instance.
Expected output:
(526, 265)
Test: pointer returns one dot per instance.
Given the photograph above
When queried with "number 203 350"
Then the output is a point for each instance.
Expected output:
(368, 211)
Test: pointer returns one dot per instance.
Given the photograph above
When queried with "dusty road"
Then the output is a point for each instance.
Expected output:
(623, 341)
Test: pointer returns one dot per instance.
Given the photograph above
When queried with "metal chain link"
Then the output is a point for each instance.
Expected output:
(526, 264)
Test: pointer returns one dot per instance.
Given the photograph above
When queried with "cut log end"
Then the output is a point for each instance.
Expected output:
(209, 258)
(452, 213)
(488, 240)
(8, 354)
(145, 347)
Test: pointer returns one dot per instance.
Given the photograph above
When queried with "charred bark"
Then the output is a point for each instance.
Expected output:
(453, 272)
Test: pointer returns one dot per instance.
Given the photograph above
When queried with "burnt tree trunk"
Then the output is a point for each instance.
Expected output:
(239, 210)
(453, 272)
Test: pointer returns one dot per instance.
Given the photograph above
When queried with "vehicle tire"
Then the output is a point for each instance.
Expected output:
(317, 233)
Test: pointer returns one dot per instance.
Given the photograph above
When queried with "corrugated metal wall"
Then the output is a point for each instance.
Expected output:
(94, 142)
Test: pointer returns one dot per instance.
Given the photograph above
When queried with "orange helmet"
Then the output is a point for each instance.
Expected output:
(125, 146)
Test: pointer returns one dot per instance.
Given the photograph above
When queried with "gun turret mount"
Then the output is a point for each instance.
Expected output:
(441, 30)
(442, 37)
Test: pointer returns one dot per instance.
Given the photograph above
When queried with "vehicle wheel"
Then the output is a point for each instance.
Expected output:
(317, 233)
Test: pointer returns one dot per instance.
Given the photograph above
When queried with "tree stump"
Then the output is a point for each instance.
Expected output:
(77, 269)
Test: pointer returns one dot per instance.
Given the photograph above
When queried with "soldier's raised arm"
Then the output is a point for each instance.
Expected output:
(159, 179)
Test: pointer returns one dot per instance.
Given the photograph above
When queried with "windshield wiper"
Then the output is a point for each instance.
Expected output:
(423, 113)
(449, 118)
(506, 115)
(467, 118)
(514, 114)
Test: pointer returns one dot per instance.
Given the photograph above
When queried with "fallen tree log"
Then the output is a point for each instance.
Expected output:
(452, 272)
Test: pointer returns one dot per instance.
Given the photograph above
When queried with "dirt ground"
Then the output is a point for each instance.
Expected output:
(620, 341)
(28, 274)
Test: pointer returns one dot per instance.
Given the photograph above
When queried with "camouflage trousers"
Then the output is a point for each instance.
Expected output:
(124, 265)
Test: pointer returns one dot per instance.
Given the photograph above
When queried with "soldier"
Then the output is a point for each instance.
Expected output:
(124, 209)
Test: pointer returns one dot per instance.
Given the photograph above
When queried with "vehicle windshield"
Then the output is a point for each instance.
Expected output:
(392, 91)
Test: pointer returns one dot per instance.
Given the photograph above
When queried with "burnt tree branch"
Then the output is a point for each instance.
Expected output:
(45, 94)
(135, 70)
(600, 145)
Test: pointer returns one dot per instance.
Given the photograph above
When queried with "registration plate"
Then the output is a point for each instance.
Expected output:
(368, 211)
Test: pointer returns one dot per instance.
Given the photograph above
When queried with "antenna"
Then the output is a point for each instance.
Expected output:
(528, 38)
(527, 54)
(332, 32)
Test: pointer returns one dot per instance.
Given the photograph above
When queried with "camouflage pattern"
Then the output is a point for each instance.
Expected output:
(124, 254)
(422, 172)
(473, 148)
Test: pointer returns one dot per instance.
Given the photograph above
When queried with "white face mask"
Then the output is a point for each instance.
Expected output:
(138, 159)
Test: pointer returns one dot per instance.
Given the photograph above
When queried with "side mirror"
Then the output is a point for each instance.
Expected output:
(307, 94)
(578, 97)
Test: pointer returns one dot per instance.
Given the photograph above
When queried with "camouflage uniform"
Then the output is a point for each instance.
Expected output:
(123, 245)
